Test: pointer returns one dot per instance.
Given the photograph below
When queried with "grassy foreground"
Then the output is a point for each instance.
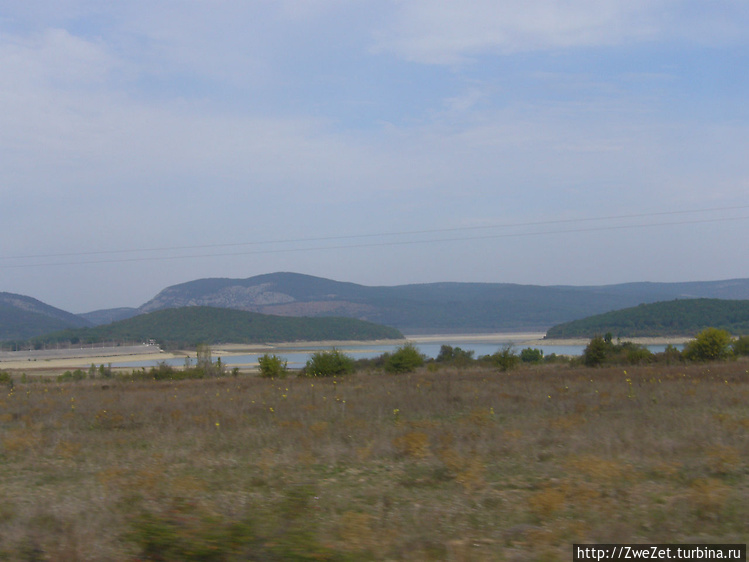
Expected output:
(447, 465)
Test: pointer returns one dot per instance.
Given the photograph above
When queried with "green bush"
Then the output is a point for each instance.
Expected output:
(405, 359)
(596, 351)
(6, 378)
(184, 531)
(77, 375)
(711, 344)
(506, 358)
(635, 354)
(163, 371)
(272, 367)
(669, 356)
(741, 346)
(187, 533)
(454, 355)
(531, 355)
(331, 363)
(602, 350)
(554, 358)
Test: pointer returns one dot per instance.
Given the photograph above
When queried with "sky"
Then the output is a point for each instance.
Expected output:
(382, 142)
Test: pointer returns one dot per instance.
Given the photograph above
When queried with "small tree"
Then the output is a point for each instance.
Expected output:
(205, 362)
(329, 364)
(272, 367)
(669, 355)
(446, 354)
(711, 344)
(405, 359)
(204, 356)
(741, 346)
(506, 358)
(595, 353)
(531, 355)
(454, 355)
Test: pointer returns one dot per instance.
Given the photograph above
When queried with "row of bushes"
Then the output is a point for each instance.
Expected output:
(333, 363)
(405, 359)
(712, 344)
(204, 367)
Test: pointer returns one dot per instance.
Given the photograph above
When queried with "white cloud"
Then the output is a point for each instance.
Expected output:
(448, 32)
(55, 58)
(138, 124)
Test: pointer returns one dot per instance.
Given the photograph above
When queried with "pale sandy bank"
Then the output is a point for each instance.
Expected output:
(56, 360)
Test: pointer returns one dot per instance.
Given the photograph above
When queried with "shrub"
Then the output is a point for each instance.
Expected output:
(455, 355)
(163, 371)
(405, 359)
(531, 355)
(554, 358)
(637, 354)
(506, 358)
(272, 367)
(6, 378)
(187, 533)
(741, 346)
(329, 364)
(669, 355)
(596, 351)
(205, 362)
(77, 375)
(711, 344)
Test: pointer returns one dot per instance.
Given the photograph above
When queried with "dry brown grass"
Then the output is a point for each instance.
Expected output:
(447, 465)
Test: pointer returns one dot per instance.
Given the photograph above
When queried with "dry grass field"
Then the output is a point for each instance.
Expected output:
(437, 465)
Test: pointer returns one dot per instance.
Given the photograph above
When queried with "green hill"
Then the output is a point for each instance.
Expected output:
(201, 324)
(684, 317)
(23, 317)
(432, 307)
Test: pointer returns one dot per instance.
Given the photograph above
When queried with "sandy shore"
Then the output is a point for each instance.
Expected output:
(530, 339)
(58, 360)
(241, 349)
(498, 338)
(672, 340)
(79, 358)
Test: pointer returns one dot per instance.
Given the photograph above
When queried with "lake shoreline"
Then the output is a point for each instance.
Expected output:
(83, 358)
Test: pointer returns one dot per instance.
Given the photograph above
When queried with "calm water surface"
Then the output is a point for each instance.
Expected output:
(297, 356)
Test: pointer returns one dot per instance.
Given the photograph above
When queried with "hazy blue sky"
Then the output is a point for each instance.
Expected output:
(144, 144)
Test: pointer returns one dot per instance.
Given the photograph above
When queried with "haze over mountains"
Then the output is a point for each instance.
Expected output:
(413, 309)
(23, 317)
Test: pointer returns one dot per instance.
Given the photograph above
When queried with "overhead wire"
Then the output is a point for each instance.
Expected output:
(373, 235)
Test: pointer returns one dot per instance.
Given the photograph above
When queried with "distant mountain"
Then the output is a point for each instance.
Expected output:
(672, 318)
(176, 327)
(412, 309)
(23, 317)
(432, 307)
(109, 315)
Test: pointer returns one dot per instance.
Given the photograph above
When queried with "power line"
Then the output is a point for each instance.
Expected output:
(359, 236)
(391, 243)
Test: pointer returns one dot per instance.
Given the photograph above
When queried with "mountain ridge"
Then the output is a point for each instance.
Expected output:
(418, 308)
(23, 317)
(433, 307)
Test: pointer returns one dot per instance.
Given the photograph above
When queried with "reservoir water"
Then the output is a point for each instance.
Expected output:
(298, 354)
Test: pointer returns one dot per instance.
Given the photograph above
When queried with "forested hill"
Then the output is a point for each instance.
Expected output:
(413, 309)
(433, 307)
(672, 318)
(200, 324)
(23, 317)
